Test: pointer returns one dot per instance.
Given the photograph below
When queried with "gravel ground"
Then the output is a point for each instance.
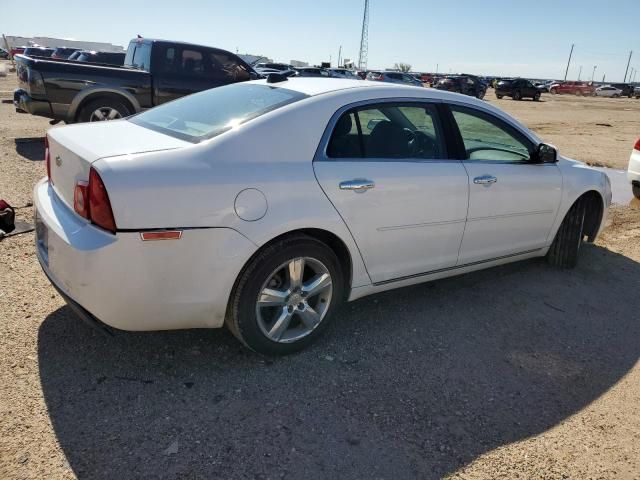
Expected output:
(521, 371)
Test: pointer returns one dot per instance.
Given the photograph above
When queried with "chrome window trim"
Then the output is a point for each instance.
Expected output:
(321, 151)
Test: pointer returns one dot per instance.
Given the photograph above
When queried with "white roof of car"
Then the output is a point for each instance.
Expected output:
(317, 85)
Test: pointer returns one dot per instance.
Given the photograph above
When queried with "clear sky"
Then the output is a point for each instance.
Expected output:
(520, 37)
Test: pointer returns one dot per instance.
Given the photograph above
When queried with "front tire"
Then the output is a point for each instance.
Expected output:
(564, 250)
(285, 296)
(536, 97)
(636, 190)
(517, 95)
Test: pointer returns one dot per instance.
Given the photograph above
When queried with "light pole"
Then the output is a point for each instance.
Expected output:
(580, 73)
(568, 62)
(594, 73)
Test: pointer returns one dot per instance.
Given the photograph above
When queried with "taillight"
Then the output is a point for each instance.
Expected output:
(81, 200)
(637, 145)
(91, 201)
(47, 158)
(99, 205)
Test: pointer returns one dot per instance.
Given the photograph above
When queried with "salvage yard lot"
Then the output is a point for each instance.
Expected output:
(518, 371)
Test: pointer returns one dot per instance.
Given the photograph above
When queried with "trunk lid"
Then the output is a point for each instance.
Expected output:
(72, 149)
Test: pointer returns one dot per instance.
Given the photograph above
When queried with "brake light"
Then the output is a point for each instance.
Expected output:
(637, 145)
(91, 201)
(47, 157)
(100, 211)
(81, 200)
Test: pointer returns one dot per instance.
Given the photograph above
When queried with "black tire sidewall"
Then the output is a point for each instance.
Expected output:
(89, 108)
(253, 279)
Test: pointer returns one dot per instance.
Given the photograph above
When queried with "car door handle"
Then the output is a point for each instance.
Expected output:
(357, 185)
(485, 180)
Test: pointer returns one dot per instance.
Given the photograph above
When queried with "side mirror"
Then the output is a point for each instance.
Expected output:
(545, 154)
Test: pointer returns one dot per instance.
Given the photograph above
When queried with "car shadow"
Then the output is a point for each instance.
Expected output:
(31, 148)
(411, 383)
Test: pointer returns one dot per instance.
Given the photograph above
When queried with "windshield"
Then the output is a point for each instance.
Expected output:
(212, 112)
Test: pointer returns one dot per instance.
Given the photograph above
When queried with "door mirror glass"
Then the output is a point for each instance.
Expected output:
(546, 154)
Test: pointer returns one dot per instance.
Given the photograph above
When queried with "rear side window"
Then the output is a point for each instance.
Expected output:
(227, 68)
(388, 131)
(209, 113)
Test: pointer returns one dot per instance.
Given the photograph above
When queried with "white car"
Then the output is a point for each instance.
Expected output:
(633, 171)
(265, 205)
(608, 91)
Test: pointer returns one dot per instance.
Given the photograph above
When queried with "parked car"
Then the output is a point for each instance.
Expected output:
(626, 89)
(465, 84)
(517, 88)
(394, 77)
(636, 91)
(287, 232)
(155, 72)
(4, 54)
(344, 73)
(264, 72)
(313, 72)
(38, 52)
(573, 88)
(62, 53)
(544, 86)
(17, 50)
(608, 91)
(633, 171)
(274, 66)
(104, 58)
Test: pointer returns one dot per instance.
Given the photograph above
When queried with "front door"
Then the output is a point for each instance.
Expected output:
(385, 169)
(512, 201)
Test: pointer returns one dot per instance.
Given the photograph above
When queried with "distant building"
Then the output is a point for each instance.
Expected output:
(15, 41)
(298, 63)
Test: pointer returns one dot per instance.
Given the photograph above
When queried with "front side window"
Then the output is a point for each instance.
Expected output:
(227, 68)
(388, 131)
(141, 57)
(209, 113)
(488, 138)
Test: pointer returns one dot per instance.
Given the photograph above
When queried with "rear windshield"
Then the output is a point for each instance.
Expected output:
(206, 114)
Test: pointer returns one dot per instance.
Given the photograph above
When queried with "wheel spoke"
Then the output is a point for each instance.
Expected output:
(295, 270)
(113, 114)
(309, 317)
(317, 284)
(270, 297)
(280, 325)
(98, 114)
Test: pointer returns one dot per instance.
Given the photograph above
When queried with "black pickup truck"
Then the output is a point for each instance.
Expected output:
(154, 72)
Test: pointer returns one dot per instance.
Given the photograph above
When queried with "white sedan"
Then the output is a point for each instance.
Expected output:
(633, 171)
(263, 205)
(608, 91)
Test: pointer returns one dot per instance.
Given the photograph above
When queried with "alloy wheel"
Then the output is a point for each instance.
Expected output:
(104, 113)
(294, 299)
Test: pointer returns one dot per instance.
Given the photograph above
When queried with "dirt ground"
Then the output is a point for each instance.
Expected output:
(521, 371)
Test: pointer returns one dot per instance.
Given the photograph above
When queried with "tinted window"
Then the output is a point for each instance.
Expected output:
(212, 112)
(227, 68)
(388, 131)
(486, 137)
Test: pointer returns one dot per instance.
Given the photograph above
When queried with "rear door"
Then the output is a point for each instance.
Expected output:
(512, 201)
(385, 169)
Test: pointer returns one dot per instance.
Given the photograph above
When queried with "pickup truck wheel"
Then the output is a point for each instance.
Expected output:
(564, 250)
(103, 109)
(499, 96)
(517, 95)
(536, 97)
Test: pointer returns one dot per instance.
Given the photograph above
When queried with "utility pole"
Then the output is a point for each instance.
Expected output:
(628, 62)
(580, 73)
(593, 74)
(364, 38)
(437, 65)
(566, 72)
(603, 77)
(339, 55)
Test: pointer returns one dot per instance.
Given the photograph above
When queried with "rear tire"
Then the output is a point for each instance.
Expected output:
(103, 109)
(499, 96)
(254, 323)
(564, 250)
(536, 97)
(636, 191)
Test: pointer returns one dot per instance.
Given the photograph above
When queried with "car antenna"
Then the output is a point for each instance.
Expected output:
(276, 78)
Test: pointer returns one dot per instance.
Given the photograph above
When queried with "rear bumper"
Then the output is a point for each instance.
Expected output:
(134, 285)
(633, 171)
(24, 103)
